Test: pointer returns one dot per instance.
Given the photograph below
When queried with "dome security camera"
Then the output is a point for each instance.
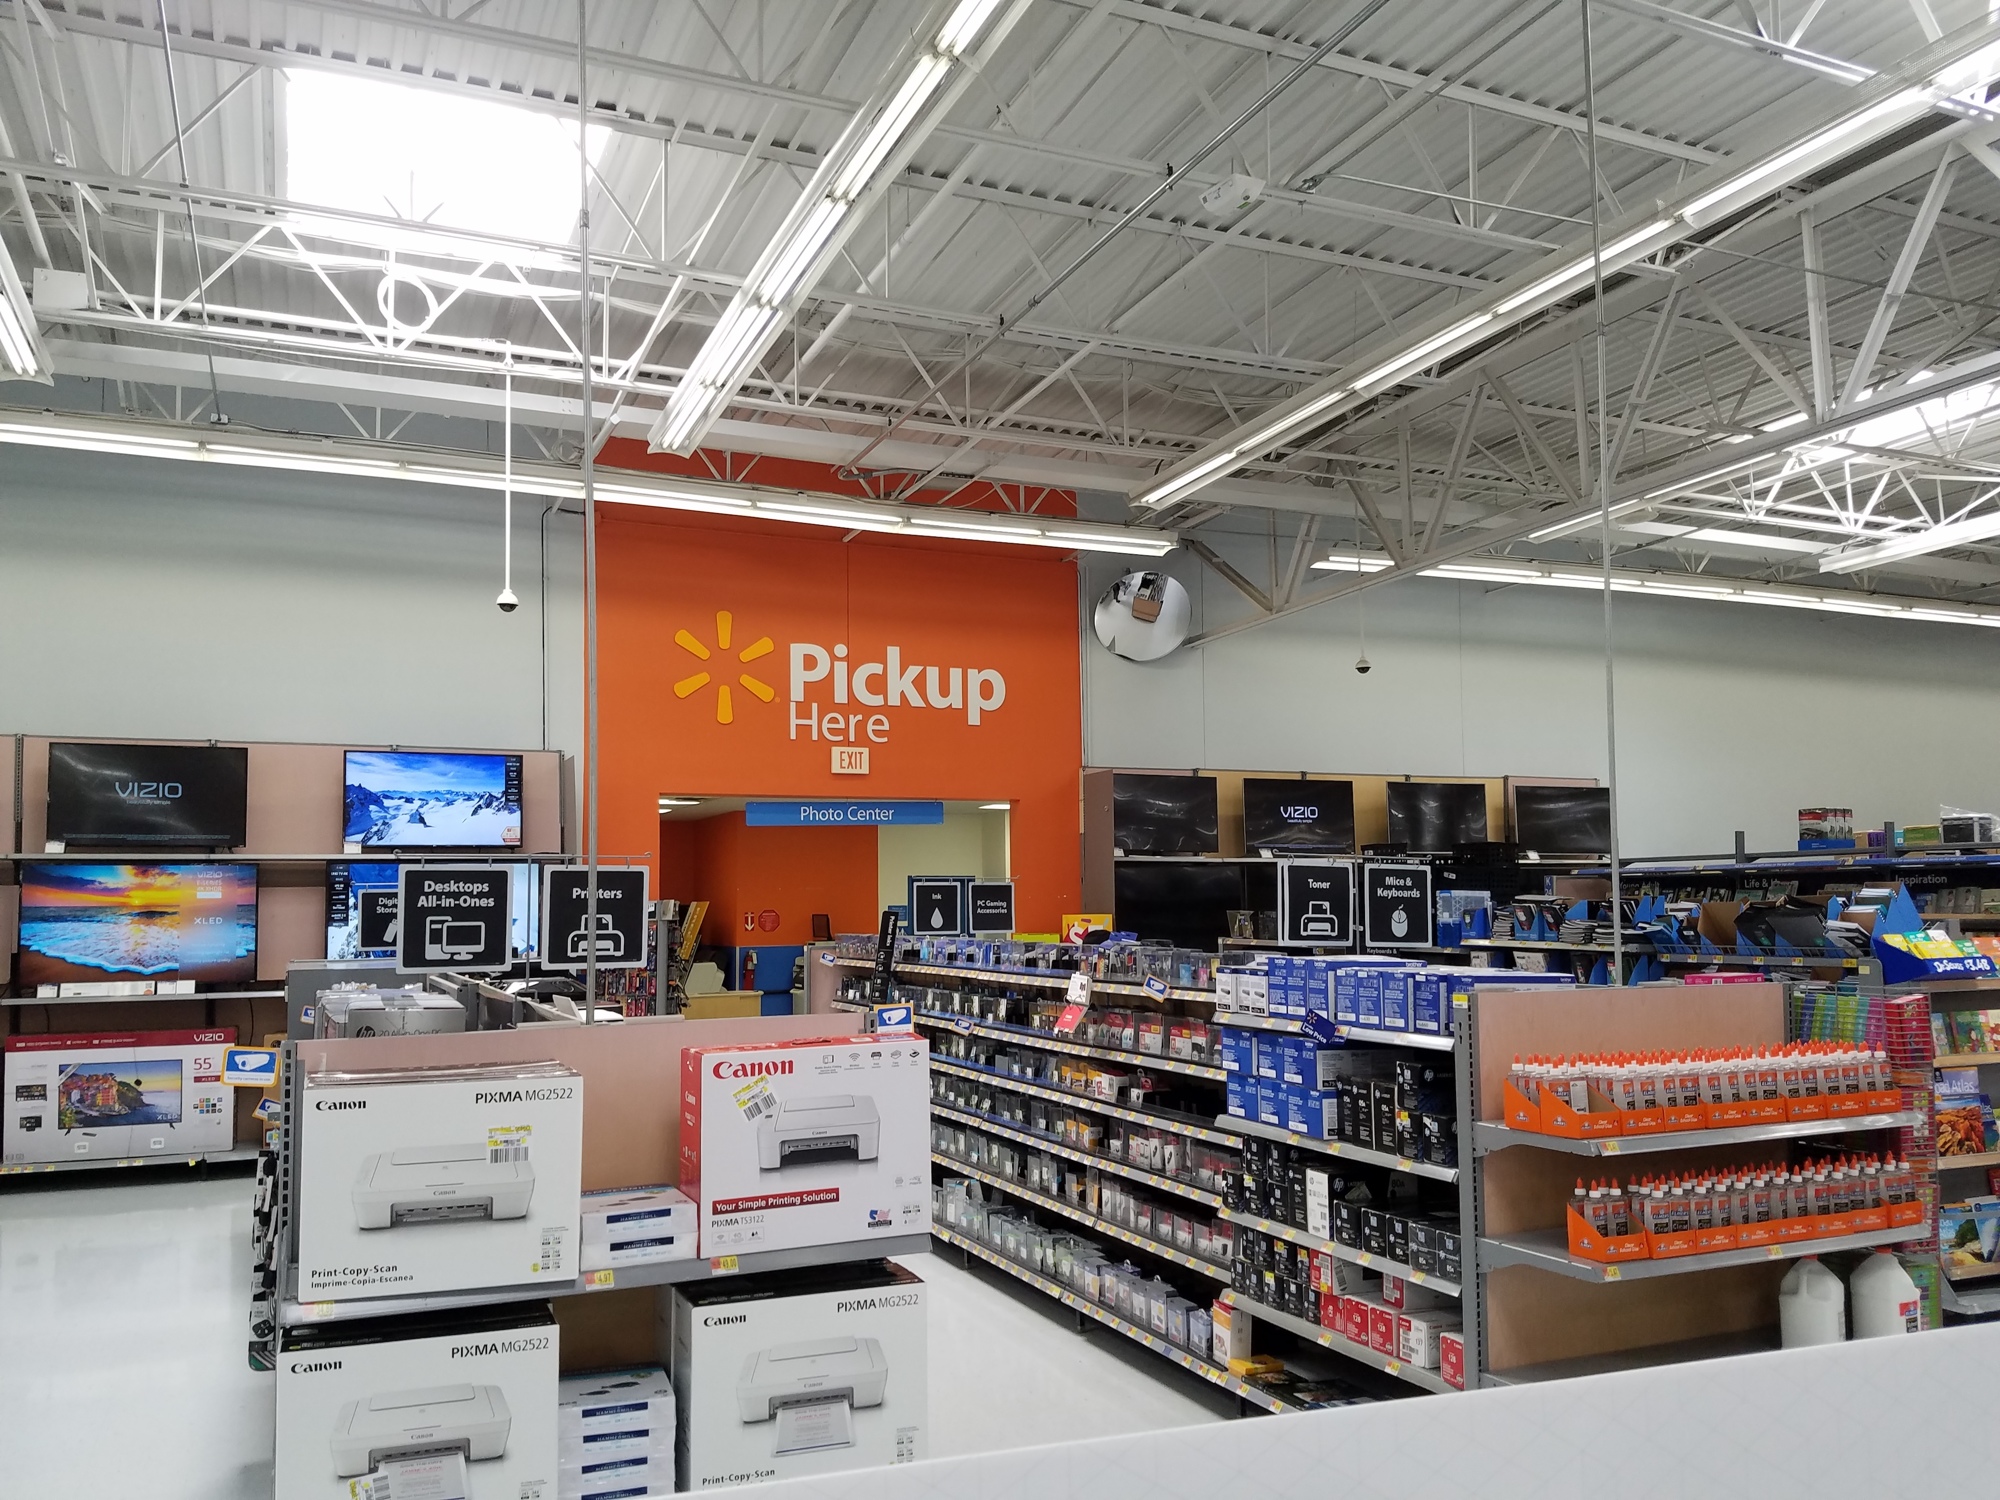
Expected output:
(1362, 665)
(508, 602)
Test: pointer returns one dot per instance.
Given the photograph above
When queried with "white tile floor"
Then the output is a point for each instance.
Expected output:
(122, 1330)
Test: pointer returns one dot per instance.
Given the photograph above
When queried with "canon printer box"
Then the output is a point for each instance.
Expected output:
(481, 1382)
(797, 1372)
(438, 1180)
(143, 1093)
(807, 1142)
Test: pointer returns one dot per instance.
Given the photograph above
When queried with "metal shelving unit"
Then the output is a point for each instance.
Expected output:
(1007, 1130)
(1340, 1149)
(1055, 979)
(1326, 1338)
(1028, 1036)
(1962, 1163)
(1208, 1371)
(103, 1163)
(1119, 1232)
(1490, 1137)
(1084, 1101)
(1422, 1039)
(1339, 1251)
(1548, 1250)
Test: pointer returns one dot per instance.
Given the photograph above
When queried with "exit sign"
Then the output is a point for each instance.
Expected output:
(850, 760)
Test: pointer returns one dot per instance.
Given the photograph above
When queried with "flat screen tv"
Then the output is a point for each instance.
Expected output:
(186, 795)
(1163, 814)
(427, 799)
(361, 910)
(1304, 815)
(96, 1095)
(86, 922)
(1436, 815)
(1186, 903)
(1563, 819)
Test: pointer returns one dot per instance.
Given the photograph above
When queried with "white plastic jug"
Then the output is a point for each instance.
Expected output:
(1812, 1306)
(1886, 1301)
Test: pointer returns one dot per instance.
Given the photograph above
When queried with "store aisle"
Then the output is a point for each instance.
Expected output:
(1005, 1373)
(122, 1313)
(122, 1331)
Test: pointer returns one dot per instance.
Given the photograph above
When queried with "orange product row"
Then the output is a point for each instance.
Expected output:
(1580, 1096)
(1742, 1208)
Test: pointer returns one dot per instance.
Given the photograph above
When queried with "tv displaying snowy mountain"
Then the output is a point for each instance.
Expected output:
(433, 799)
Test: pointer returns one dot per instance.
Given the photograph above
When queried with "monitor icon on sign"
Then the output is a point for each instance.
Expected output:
(446, 941)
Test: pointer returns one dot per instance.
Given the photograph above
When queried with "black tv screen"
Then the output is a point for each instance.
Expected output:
(1186, 904)
(148, 794)
(1436, 815)
(1284, 814)
(1563, 819)
(1164, 814)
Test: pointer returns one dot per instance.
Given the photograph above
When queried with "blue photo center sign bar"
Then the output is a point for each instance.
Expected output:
(840, 814)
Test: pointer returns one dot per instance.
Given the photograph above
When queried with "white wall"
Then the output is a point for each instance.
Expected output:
(967, 842)
(1730, 716)
(177, 599)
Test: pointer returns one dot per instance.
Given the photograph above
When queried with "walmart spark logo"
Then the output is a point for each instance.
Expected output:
(725, 709)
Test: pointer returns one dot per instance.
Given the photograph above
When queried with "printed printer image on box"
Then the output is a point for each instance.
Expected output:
(806, 1142)
(479, 1383)
(438, 1179)
(115, 1097)
(799, 1372)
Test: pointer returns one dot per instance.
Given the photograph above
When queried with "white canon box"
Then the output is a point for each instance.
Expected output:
(807, 1142)
(481, 1383)
(438, 1180)
(798, 1372)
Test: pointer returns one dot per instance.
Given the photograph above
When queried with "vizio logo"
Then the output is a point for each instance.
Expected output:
(148, 791)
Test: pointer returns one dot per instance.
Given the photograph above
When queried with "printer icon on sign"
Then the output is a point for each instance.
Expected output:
(1319, 921)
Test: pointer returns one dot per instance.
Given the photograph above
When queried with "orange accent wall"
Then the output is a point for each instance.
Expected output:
(664, 580)
(792, 871)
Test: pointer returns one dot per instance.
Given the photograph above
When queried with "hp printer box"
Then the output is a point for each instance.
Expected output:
(409, 1183)
(145, 1093)
(480, 1382)
(807, 1142)
(798, 1372)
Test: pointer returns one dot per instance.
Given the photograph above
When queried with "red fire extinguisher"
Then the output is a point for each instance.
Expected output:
(749, 969)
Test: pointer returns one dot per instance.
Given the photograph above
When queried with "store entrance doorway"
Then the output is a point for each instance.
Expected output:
(774, 891)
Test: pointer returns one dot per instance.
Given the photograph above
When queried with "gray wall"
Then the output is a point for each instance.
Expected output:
(192, 600)
(1729, 716)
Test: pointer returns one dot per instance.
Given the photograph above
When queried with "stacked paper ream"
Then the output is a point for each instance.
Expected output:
(615, 1434)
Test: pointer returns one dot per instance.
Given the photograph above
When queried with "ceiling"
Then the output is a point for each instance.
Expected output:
(1437, 153)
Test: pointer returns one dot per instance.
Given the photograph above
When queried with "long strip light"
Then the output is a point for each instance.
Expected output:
(1354, 562)
(21, 354)
(1912, 544)
(869, 154)
(1952, 83)
(1719, 590)
(243, 450)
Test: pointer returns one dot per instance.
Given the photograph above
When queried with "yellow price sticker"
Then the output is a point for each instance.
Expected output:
(316, 1311)
(1611, 1148)
(1419, 1276)
(1774, 1252)
(1365, 1259)
(599, 1279)
(723, 1265)
(1394, 1367)
(1613, 1273)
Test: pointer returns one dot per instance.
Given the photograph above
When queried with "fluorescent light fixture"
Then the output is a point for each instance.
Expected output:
(874, 147)
(1954, 81)
(21, 354)
(666, 802)
(996, 807)
(129, 439)
(1616, 255)
(1354, 562)
(432, 157)
(1913, 544)
(1512, 573)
